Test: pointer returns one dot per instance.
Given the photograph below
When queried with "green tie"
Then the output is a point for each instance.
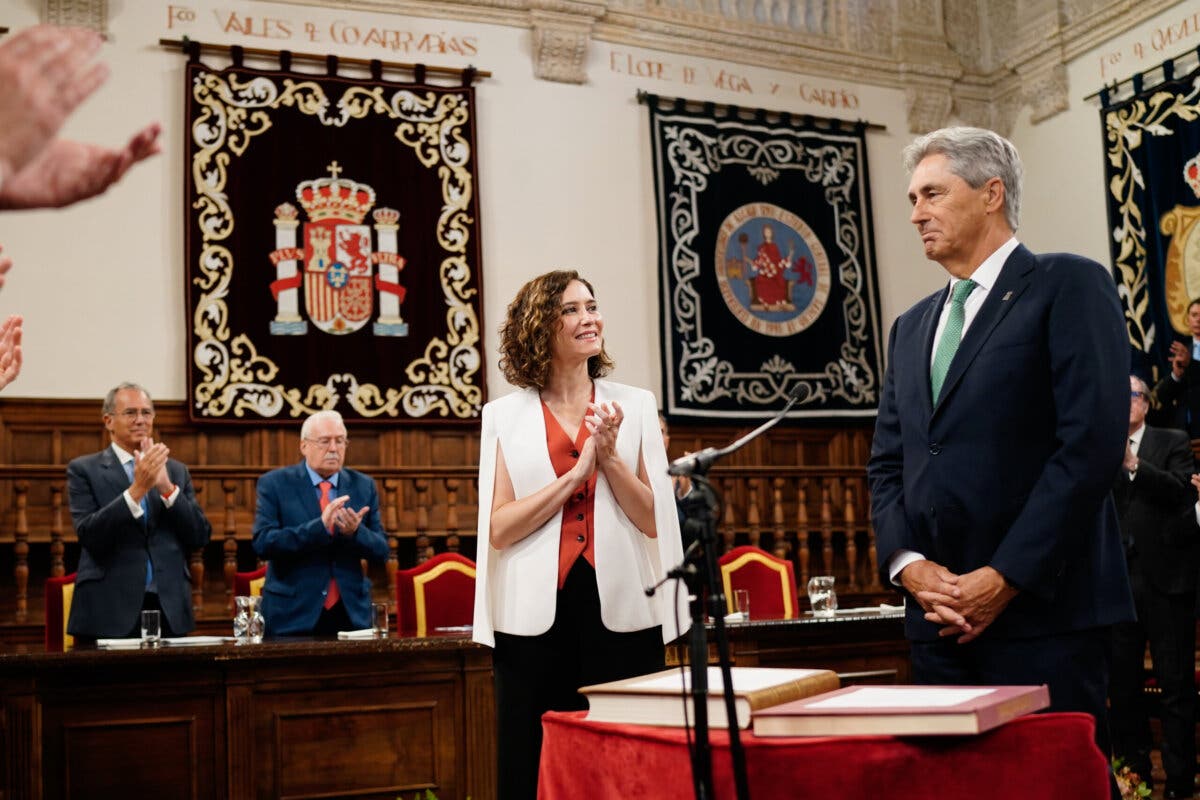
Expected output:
(951, 336)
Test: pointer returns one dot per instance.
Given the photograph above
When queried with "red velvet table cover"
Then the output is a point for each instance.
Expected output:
(1050, 756)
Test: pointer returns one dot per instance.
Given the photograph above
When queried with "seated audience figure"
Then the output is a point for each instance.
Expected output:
(1178, 393)
(314, 522)
(137, 520)
(1155, 506)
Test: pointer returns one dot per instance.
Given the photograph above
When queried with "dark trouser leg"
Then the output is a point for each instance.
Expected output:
(1171, 628)
(524, 668)
(1128, 720)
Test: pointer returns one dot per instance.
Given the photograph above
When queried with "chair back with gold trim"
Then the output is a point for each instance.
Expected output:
(771, 582)
(437, 594)
(59, 593)
(249, 583)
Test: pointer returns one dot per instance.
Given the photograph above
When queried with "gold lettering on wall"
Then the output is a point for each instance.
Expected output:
(394, 41)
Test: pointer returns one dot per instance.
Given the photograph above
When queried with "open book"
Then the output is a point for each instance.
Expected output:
(658, 699)
(902, 711)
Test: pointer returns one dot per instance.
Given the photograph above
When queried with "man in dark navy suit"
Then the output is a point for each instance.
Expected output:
(137, 520)
(313, 524)
(1001, 429)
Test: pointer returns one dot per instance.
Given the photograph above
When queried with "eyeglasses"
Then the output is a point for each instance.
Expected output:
(325, 441)
(133, 413)
(1135, 395)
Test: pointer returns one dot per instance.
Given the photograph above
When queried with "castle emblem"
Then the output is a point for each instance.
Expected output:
(1181, 269)
(336, 264)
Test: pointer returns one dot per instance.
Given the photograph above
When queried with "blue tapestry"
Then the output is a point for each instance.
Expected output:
(1152, 173)
(766, 264)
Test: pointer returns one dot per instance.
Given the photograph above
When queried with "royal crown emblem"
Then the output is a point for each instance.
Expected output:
(336, 264)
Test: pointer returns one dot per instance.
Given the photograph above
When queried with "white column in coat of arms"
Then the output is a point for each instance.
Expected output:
(336, 261)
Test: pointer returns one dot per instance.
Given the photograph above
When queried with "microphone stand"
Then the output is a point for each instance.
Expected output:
(699, 509)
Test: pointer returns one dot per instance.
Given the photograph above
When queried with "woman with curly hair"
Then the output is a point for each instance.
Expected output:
(576, 518)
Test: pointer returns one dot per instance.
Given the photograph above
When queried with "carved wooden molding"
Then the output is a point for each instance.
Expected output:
(983, 56)
(79, 13)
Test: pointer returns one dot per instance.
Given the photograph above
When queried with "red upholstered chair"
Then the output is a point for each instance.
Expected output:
(249, 583)
(771, 582)
(59, 592)
(437, 594)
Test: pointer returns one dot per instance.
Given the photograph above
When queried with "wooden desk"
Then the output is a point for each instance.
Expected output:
(290, 719)
(865, 643)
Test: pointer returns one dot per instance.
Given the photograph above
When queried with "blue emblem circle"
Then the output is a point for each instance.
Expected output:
(337, 275)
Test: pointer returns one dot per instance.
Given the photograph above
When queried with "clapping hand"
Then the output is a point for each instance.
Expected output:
(10, 347)
(150, 468)
(1181, 357)
(604, 423)
(341, 520)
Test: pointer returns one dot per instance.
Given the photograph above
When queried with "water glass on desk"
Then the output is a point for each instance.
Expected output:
(248, 622)
(379, 620)
(151, 628)
(822, 596)
(741, 603)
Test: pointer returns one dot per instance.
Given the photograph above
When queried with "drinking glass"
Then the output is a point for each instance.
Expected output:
(379, 619)
(741, 603)
(822, 596)
(151, 628)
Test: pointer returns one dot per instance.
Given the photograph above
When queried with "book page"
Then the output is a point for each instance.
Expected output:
(902, 697)
(745, 679)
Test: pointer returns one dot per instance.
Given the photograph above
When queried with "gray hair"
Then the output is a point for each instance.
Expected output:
(1143, 387)
(110, 399)
(306, 428)
(975, 155)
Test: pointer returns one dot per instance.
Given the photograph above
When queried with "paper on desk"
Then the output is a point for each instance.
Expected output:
(364, 633)
(118, 643)
(196, 641)
(736, 616)
(901, 697)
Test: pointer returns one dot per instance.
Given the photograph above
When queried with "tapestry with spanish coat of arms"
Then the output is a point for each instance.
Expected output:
(332, 246)
(1152, 177)
(766, 263)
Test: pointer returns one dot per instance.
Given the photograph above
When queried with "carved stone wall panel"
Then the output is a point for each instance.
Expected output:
(79, 13)
(916, 45)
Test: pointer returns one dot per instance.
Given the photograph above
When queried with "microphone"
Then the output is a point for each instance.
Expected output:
(698, 463)
(695, 462)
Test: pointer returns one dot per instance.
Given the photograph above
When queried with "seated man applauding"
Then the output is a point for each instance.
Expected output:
(314, 522)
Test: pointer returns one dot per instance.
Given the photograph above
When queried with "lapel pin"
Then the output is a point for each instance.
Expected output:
(1007, 295)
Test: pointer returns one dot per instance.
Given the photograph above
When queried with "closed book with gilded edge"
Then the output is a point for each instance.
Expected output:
(902, 711)
(659, 699)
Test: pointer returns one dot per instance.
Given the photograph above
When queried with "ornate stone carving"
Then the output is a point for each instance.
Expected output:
(945, 54)
(80, 13)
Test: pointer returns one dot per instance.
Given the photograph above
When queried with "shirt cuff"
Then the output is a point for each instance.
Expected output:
(134, 507)
(901, 559)
(169, 499)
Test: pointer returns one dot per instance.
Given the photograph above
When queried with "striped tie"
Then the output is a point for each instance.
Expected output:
(951, 336)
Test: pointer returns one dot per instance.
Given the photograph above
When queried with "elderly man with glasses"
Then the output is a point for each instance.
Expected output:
(314, 523)
(1156, 508)
(137, 521)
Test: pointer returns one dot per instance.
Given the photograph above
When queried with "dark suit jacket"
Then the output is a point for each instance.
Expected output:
(111, 580)
(1157, 512)
(302, 555)
(1180, 399)
(1014, 467)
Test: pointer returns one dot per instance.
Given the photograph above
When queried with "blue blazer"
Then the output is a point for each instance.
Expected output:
(1014, 466)
(113, 545)
(301, 555)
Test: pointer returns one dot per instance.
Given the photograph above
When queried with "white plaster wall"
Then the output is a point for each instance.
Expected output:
(565, 180)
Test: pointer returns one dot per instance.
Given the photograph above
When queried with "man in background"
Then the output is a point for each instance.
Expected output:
(1178, 393)
(137, 521)
(313, 524)
(1155, 504)
(1001, 429)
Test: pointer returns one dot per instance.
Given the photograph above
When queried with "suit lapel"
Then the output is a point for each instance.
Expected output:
(113, 473)
(926, 331)
(308, 495)
(1010, 285)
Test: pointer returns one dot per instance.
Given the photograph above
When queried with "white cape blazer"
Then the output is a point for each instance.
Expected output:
(515, 588)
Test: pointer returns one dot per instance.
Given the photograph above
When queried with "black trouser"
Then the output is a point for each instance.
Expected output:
(535, 674)
(1167, 622)
(333, 620)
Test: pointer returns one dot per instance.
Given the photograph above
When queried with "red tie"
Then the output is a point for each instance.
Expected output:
(333, 595)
